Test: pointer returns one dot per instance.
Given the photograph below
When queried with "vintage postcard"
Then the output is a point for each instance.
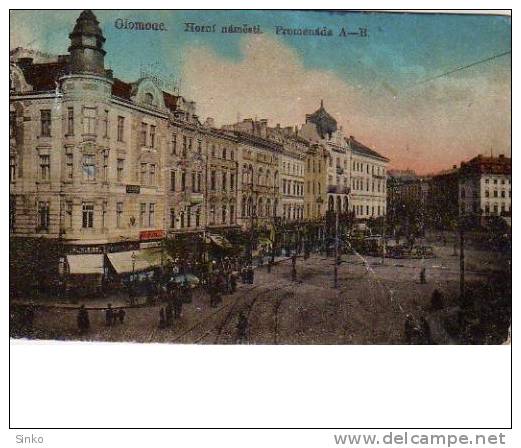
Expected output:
(260, 177)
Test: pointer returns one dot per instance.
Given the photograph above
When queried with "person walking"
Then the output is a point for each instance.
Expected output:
(83, 319)
(178, 306)
(294, 267)
(169, 315)
(109, 315)
(162, 318)
(233, 283)
(410, 329)
(242, 326)
(423, 276)
(121, 315)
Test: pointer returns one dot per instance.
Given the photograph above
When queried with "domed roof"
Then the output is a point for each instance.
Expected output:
(88, 24)
(324, 122)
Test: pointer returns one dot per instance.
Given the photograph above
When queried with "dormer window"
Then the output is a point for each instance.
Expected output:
(149, 98)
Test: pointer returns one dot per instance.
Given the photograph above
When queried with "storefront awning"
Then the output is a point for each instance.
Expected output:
(85, 264)
(138, 260)
(218, 240)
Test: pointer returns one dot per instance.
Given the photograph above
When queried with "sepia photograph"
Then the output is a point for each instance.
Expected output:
(260, 177)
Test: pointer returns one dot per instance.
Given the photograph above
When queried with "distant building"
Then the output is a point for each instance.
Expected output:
(485, 187)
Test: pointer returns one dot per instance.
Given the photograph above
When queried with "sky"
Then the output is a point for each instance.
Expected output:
(380, 88)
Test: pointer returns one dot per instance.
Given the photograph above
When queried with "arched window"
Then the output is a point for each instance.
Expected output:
(149, 98)
(261, 207)
(331, 204)
(243, 206)
(232, 154)
(338, 204)
(224, 153)
(268, 207)
(346, 207)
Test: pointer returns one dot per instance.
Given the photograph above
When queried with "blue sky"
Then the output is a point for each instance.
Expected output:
(400, 51)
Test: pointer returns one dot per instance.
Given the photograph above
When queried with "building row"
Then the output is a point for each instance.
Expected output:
(106, 166)
(479, 188)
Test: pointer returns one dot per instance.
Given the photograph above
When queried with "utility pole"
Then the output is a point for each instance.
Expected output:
(461, 261)
(336, 250)
(383, 240)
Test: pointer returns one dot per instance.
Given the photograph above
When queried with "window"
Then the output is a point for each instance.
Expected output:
(503, 194)
(69, 166)
(199, 146)
(143, 174)
(188, 217)
(106, 124)
(232, 213)
(87, 215)
(142, 212)
(224, 180)
(12, 124)
(190, 143)
(212, 180)
(152, 136)
(70, 121)
(198, 217)
(213, 150)
(174, 144)
(224, 153)
(199, 182)
(120, 167)
(185, 146)
(183, 181)
(495, 193)
(119, 214)
(105, 166)
(103, 214)
(172, 181)
(12, 169)
(223, 214)
(172, 218)
(89, 167)
(194, 183)
(149, 98)
(232, 181)
(68, 214)
(45, 123)
(152, 174)
(121, 129)
(45, 167)
(143, 134)
(232, 155)
(89, 120)
(43, 215)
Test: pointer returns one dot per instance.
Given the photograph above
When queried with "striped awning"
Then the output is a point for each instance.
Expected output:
(85, 264)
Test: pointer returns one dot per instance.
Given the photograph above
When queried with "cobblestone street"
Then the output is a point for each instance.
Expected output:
(368, 307)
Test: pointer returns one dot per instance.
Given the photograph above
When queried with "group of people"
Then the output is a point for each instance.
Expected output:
(112, 317)
(221, 282)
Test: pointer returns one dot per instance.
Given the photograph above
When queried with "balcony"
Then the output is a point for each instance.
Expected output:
(338, 189)
(195, 198)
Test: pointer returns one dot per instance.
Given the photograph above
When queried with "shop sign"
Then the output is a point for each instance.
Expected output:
(133, 189)
(151, 234)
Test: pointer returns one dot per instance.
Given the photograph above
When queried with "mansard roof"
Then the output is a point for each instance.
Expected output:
(362, 149)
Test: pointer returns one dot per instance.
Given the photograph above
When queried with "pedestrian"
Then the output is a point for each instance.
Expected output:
(294, 267)
(423, 277)
(121, 315)
(233, 283)
(242, 326)
(436, 300)
(162, 318)
(178, 306)
(425, 331)
(410, 329)
(169, 315)
(109, 315)
(83, 319)
(251, 274)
